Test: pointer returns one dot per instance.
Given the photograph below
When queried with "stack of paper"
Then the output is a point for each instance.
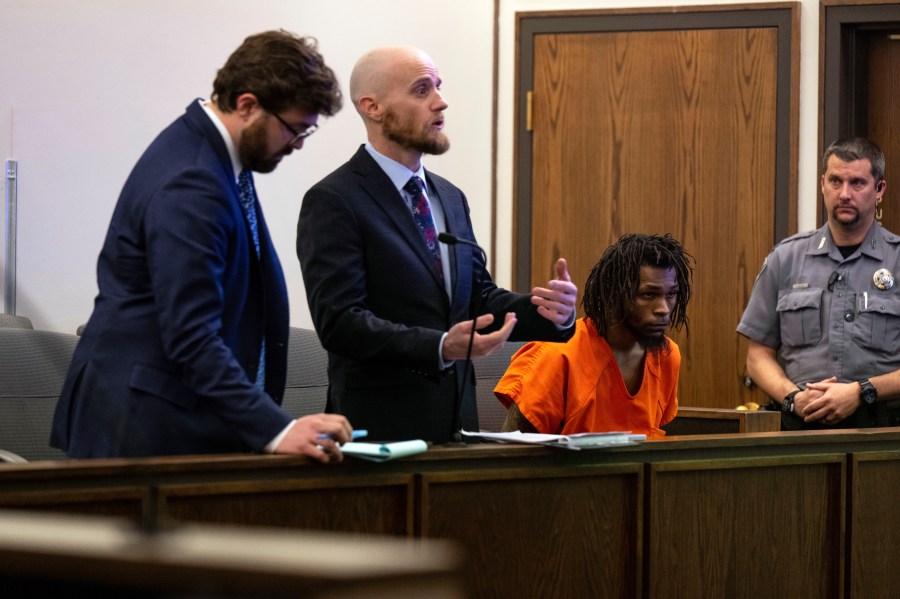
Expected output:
(579, 441)
(382, 452)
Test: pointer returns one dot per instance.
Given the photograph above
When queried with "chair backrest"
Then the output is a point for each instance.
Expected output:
(306, 387)
(33, 366)
(11, 321)
(488, 371)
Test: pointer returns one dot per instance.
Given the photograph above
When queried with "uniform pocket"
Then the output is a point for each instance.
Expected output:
(878, 323)
(800, 314)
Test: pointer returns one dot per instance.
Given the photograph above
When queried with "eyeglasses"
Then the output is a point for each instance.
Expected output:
(298, 136)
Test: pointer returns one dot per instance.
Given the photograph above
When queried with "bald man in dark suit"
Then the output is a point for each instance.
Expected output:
(393, 308)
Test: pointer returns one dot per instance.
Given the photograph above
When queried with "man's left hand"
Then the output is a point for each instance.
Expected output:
(838, 401)
(557, 302)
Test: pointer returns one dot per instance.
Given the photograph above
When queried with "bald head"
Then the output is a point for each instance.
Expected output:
(396, 91)
(378, 71)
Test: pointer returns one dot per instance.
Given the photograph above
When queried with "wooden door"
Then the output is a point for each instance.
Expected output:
(662, 132)
(884, 116)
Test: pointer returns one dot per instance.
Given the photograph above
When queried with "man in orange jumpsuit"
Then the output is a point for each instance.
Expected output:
(619, 372)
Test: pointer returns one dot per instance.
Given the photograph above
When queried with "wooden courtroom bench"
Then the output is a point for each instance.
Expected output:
(692, 513)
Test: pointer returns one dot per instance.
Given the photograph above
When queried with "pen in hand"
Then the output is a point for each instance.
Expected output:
(357, 434)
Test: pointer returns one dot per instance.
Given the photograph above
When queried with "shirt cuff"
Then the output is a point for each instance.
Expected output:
(568, 323)
(272, 446)
(441, 364)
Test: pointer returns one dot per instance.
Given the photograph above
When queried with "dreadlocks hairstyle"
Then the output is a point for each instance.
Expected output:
(612, 286)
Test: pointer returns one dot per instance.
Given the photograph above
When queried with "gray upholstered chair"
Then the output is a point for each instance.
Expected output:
(488, 371)
(306, 387)
(11, 321)
(33, 366)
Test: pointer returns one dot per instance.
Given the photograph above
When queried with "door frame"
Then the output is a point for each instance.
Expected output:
(843, 99)
(785, 17)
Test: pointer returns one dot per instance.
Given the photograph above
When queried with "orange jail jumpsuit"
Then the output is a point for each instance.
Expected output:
(576, 387)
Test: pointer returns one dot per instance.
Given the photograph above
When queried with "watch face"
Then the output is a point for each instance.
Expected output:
(868, 393)
(788, 405)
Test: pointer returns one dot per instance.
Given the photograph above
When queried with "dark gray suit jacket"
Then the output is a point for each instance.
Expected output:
(380, 309)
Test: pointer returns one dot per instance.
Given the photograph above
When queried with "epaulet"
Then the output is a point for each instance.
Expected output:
(890, 237)
(797, 237)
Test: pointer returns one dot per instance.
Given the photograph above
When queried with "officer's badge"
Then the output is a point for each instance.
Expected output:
(883, 279)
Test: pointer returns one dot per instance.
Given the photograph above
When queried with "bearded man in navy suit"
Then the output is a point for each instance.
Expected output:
(394, 315)
(186, 349)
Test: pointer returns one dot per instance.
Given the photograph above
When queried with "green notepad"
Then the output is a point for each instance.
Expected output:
(382, 452)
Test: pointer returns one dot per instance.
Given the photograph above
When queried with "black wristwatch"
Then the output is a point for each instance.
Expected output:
(867, 392)
(787, 404)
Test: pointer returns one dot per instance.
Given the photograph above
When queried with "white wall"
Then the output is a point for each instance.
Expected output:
(86, 84)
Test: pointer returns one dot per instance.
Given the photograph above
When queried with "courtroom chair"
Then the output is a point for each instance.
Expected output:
(33, 365)
(488, 371)
(11, 321)
(306, 386)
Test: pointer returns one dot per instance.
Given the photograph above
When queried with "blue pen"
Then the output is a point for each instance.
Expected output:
(357, 434)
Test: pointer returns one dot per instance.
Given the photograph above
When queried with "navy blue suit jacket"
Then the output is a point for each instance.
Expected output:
(380, 309)
(167, 361)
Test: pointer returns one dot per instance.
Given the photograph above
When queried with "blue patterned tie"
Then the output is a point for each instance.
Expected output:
(415, 187)
(248, 197)
(248, 202)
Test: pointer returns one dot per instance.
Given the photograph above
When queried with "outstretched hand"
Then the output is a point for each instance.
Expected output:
(556, 302)
(456, 344)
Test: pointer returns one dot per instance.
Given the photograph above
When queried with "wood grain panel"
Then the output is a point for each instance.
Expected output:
(713, 521)
(872, 552)
(545, 535)
(662, 132)
(379, 507)
(124, 502)
(884, 117)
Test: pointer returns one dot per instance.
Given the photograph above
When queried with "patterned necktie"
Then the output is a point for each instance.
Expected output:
(248, 196)
(422, 213)
(248, 203)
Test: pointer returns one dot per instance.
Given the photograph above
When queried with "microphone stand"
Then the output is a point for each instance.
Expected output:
(456, 437)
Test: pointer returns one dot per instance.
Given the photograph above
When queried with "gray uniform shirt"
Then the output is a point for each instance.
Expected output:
(851, 331)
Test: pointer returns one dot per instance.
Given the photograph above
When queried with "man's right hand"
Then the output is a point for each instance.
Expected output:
(456, 344)
(303, 438)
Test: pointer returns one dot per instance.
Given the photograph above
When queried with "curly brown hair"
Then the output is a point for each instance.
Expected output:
(283, 71)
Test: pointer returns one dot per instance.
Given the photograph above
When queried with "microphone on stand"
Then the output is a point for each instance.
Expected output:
(450, 239)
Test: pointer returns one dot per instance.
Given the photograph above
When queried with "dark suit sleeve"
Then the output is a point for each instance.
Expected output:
(342, 260)
(191, 235)
(530, 325)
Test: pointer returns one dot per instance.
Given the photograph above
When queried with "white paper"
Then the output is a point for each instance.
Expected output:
(577, 441)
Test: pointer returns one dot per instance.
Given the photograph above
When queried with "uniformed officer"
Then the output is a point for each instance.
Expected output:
(823, 320)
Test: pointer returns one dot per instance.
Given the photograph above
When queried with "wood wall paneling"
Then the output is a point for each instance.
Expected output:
(714, 520)
(382, 506)
(872, 552)
(546, 533)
